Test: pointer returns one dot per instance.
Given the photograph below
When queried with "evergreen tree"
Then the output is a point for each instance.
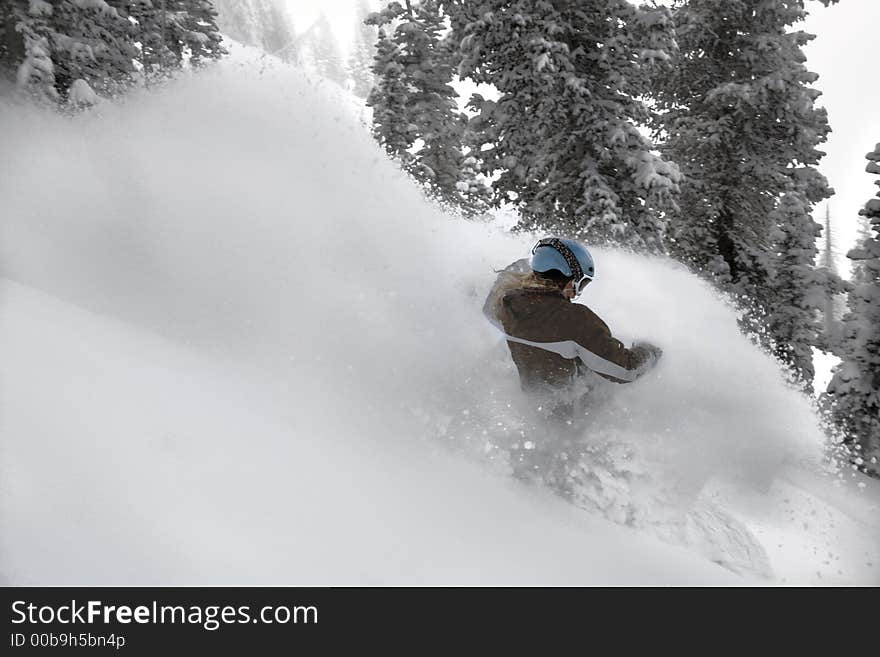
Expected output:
(740, 118)
(239, 20)
(150, 22)
(853, 395)
(200, 32)
(92, 43)
(563, 136)
(34, 68)
(69, 49)
(263, 24)
(833, 303)
(190, 28)
(415, 114)
(797, 287)
(360, 61)
(69, 46)
(171, 32)
(277, 35)
(391, 126)
(321, 51)
(474, 193)
(12, 51)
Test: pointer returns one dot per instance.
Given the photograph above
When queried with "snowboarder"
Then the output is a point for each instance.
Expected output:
(552, 340)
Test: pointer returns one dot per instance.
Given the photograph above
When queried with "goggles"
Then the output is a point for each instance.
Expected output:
(581, 284)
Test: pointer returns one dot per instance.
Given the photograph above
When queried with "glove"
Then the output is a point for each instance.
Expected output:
(654, 351)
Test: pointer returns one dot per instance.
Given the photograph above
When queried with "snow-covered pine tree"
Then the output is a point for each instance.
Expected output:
(30, 52)
(263, 24)
(201, 34)
(190, 29)
(67, 50)
(853, 395)
(474, 192)
(360, 60)
(794, 321)
(391, 125)
(70, 49)
(92, 47)
(739, 116)
(239, 20)
(173, 31)
(150, 32)
(11, 43)
(563, 136)
(431, 107)
(320, 51)
(278, 36)
(826, 258)
(834, 303)
(415, 114)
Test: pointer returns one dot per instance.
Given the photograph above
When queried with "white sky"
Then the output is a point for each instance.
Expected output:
(844, 54)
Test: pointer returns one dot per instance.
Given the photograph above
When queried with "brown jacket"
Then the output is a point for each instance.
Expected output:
(551, 339)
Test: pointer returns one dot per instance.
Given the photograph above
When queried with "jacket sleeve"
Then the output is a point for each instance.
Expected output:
(606, 355)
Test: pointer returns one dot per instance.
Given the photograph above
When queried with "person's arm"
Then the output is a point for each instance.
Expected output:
(601, 352)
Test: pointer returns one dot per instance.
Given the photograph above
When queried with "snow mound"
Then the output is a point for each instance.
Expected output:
(301, 330)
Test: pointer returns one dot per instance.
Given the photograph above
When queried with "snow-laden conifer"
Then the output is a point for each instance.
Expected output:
(415, 113)
(363, 50)
(562, 136)
(93, 48)
(834, 304)
(28, 27)
(70, 51)
(320, 51)
(853, 394)
(391, 124)
(264, 24)
(740, 117)
(190, 30)
(798, 289)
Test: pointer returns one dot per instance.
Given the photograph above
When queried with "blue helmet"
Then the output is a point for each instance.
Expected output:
(569, 257)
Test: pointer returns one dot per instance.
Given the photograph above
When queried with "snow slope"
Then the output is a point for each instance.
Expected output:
(257, 356)
(130, 459)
